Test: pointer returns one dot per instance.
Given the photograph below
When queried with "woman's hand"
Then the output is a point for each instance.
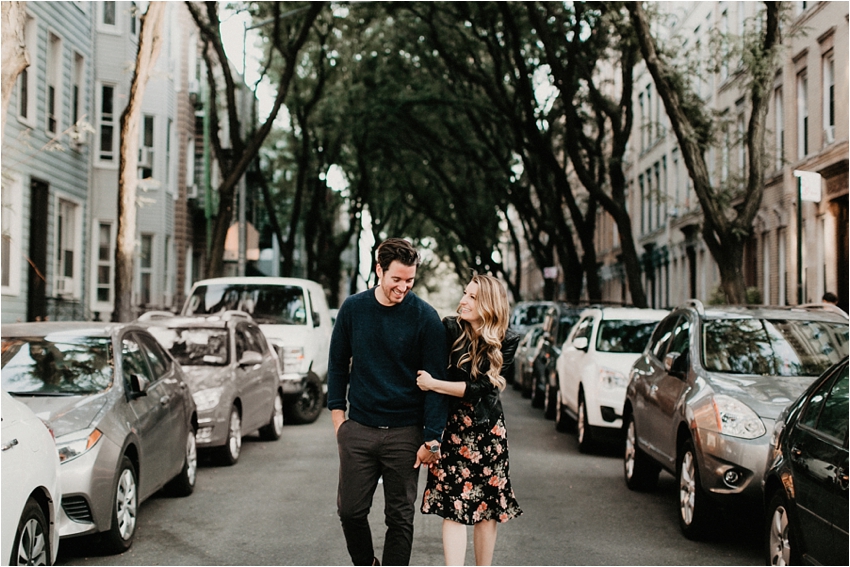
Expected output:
(425, 381)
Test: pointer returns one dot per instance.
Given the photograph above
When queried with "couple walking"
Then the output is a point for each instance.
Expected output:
(421, 392)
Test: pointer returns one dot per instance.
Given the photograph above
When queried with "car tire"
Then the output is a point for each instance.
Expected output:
(228, 454)
(695, 509)
(32, 540)
(549, 402)
(274, 429)
(537, 395)
(563, 422)
(125, 507)
(639, 470)
(184, 483)
(584, 433)
(307, 407)
(781, 544)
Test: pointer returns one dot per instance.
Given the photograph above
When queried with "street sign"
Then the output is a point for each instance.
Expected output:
(810, 185)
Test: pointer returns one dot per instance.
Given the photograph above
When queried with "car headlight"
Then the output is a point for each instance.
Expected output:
(293, 359)
(207, 399)
(72, 445)
(730, 417)
(612, 379)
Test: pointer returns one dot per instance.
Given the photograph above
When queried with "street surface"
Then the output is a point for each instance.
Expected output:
(276, 506)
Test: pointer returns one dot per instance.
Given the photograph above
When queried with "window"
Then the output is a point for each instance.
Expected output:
(779, 128)
(146, 269)
(108, 14)
(146, 152)
(724, 157)
(105, 259)
(649, 137)
(826, 410)
(648, 177)
(724, 30)
(168, 133)
(26, 80)
(106, 149)
(77, 88)
(802, 116)
(54, 84)
(134, 18)
(10, 254)
(828, 98)
(642, 122)
(67, 259)
(642, 204)
(658, 195)
(168, 272)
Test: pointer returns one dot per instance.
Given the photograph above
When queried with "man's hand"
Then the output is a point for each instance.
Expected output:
(338, 417)
(424, 456)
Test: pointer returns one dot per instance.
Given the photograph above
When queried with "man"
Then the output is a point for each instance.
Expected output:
(381, 338)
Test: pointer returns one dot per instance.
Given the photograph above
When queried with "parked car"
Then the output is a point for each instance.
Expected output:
(122, 414)
(705, 393)
(557, 324)
(30, 488)
(233, 374)
(293, 313)
(525, 314)
(805, 486)
(525, 354)
(593, 369)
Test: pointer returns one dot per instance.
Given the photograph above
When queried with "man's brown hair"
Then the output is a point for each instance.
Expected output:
(397, 249)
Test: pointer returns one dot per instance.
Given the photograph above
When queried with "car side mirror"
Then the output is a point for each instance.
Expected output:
(138, 386)
(675, 364)
(317, 321)
(580, 343)
(250, 358)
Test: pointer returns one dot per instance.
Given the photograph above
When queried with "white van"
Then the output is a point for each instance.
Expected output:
(293, 313)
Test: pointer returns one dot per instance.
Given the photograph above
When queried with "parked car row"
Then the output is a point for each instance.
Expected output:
(718, 398)
(131, 404)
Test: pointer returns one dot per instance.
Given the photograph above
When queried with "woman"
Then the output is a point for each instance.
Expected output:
(470, 484)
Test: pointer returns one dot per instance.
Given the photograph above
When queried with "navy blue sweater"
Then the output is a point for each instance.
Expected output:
(376, 351)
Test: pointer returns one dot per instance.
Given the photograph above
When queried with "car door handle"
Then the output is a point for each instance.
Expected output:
(10, 444)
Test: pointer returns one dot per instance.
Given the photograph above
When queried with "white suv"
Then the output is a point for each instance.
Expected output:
(593, 369)
(293, 314)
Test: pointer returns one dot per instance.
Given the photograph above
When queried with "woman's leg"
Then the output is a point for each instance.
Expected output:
(454, 542)
(484, 541)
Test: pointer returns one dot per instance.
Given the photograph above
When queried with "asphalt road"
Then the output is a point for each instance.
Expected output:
(277, 506)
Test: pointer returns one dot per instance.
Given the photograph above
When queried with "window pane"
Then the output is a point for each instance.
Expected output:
(103, 250)
(109, 13)
(103, 294)
(107, 102)
(103, 275)
(833, 417)
(147, 245)
(624, 336)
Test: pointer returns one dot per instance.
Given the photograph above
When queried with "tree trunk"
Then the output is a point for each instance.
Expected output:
(150, 44)
(14, 51)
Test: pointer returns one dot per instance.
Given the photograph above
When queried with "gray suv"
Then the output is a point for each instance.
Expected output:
(704, 395)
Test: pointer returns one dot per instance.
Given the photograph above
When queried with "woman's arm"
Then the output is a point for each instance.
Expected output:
(428, 383)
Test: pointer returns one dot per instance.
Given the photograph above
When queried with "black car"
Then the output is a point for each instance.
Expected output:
(805, 485)
(557, 323)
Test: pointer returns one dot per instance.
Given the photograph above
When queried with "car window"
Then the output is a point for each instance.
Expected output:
(623, 336)
(528, 314)
(661, 337)
(57, 365)
(565, 325)
(157, 359)
(267, 304)
(777, 347)
(258, 339)
(194, 346)
(585, 326)
(241, 342)
(681, 336)
(827, 409)
(133, 359)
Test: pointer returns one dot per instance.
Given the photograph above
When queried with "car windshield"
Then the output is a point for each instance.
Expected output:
(775, 347)
(194, 346)
(267, 304)
(529, 314)
(64, 366)
(624, 336)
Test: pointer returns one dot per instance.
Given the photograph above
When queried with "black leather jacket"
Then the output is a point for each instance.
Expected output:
(480, 392)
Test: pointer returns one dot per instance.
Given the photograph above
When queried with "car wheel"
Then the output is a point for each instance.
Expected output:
(229, 453)
(274, 429)
(781, 545)
(184, 483)
(32, 544)
(563, 422)
(537, 393)
(308, 406)
(549, 401)
(640, 472)
(695, 509)
(583, 431)
(125, 505)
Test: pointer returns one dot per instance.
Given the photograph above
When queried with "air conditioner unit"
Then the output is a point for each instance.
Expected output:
(145, 157)
(64, 286)
(192, 191)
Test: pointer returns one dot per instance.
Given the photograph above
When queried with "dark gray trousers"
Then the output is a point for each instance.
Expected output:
(365, 455)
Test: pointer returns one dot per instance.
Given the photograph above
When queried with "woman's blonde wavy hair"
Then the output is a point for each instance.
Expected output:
(493, 308)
